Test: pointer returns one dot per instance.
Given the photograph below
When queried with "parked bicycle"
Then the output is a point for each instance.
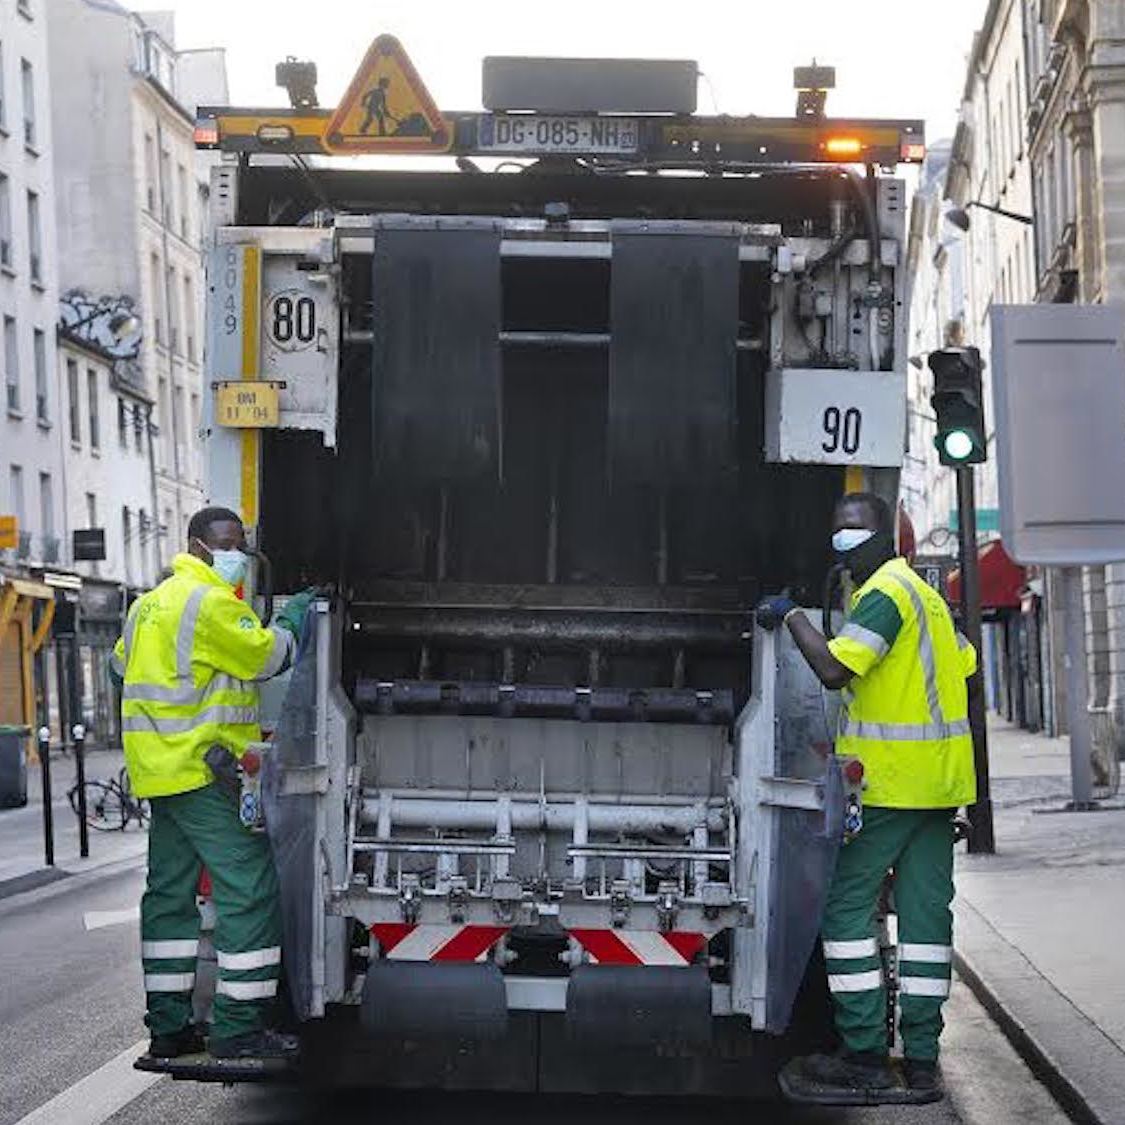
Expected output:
(110, 804)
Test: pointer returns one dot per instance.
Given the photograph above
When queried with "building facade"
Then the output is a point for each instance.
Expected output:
(31, 433)
(131, 214)
(1075, 124)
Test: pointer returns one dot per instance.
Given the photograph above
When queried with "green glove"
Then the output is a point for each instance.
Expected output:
(292, 617)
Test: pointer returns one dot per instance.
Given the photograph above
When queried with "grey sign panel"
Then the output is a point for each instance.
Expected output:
(590, 85)
(1059, 393)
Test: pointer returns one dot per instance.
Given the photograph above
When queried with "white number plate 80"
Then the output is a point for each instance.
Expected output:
(835, 417)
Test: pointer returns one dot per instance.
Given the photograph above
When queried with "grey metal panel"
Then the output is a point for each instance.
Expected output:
(436, 355)
(674, 317)
(590, 85)
(1059, 391)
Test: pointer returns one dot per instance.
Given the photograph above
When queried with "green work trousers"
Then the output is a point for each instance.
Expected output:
(918, 845)
(190, 831)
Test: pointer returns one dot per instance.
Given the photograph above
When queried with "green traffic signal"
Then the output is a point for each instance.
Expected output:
(958, 445)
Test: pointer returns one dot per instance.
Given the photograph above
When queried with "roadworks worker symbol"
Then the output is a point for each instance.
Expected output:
(387, 108)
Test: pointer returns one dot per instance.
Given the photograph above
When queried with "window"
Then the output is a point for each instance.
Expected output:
(3, 102)
(164, 532)
(127, 543)
(166, 186)
(157, 301)
(92, 395)
(173, 310)
(165, 429)
(144, 533)
(34, 238)
(12, 363)
(150, 174)
(179, 423)
(5, 222)
(27, 82)
(15, 477)
(42, 402)
(47, 510)
(138, 427)
(72, 402)
(91, 509)
(189, 318)
(122, 423)
(185, 211)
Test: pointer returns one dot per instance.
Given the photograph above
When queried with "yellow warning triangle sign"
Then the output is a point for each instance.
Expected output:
(387, 108)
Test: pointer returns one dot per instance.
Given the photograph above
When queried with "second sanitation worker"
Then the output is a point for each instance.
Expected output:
(902, 667)
(190, 657)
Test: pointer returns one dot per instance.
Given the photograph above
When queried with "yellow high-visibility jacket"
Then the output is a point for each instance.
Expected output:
(906, 712)
(190, 656)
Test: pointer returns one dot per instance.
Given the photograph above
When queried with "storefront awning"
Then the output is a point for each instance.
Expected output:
(1001, 579)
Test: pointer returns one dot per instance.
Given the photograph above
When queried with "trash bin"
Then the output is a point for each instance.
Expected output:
(13, 766)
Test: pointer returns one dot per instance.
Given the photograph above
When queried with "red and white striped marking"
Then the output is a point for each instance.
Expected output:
(640, 947)
(401, 941)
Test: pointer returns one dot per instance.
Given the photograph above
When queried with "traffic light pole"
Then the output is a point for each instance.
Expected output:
(982, 839)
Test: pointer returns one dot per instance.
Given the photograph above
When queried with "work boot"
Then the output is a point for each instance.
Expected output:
(923, 1077)
(264, 1044)
(853, 1070)
(186, 1041)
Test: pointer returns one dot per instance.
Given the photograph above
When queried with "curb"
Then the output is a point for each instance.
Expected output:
(31, 881)
(1077, 1063)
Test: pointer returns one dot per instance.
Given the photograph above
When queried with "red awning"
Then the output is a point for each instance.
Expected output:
(1001, 580)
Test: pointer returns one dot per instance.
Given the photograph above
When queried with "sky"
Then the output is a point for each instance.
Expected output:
(893, 58)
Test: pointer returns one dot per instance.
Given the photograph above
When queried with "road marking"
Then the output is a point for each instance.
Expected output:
(99, 919)
(98, 1096)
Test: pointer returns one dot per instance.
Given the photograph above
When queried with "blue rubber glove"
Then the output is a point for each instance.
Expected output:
(292, 617)
(773, 611)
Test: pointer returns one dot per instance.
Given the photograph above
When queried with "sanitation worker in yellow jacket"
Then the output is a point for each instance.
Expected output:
(190, 657)
(902, 667)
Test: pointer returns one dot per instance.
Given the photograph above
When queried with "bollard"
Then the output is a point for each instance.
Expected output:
(48, 819)
(79, 733)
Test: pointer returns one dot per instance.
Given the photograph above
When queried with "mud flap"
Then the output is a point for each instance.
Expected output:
(639, 1006)
(799, 1088)
(428, 1000)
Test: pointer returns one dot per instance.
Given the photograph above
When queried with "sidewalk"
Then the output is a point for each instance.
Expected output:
(21, 830)
(1041, 925)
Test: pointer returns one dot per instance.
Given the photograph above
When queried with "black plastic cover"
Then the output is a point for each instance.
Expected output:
(672, 389)
(436, 353)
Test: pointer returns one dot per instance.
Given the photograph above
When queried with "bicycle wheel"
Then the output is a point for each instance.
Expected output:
(136, 808)
(105, 806)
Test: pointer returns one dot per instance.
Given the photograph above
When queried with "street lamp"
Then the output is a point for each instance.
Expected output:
(959, 216)
(121, 325)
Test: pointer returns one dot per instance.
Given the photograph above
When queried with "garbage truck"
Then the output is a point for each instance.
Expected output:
(544, 398)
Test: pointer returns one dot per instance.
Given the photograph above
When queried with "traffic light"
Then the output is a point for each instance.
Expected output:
(959, 406)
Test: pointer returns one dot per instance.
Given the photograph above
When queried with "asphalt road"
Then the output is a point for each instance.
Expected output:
(70, 1024)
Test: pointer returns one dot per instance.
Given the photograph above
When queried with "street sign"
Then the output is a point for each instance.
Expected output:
(89, 544)
(1059, 387)
(387, 108)
(9, 532)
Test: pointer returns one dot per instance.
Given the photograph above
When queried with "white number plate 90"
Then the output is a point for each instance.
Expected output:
(824, 417)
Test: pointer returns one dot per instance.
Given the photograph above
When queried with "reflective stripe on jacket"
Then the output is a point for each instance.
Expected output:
(190, 655)
(906, 711)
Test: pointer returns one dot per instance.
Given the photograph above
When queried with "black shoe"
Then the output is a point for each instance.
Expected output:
(849, 1070)
(257, 1045)
(186, 1041)
(922, 1077)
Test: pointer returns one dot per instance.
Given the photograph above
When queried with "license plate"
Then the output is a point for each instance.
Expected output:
(533, 133)
(247, 405)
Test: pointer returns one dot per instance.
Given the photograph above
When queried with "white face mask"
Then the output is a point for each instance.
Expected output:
(230, 565)
(848, 538)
